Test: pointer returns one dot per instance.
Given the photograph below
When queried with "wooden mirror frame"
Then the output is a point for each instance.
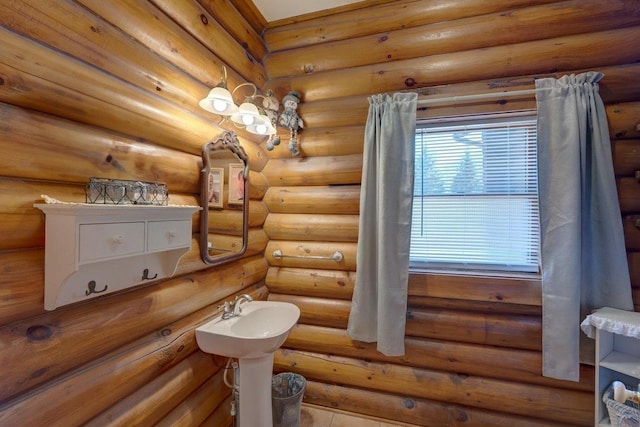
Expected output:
(227, 141)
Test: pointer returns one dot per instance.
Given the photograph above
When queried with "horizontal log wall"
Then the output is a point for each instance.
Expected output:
(473, 344)
(89, 88)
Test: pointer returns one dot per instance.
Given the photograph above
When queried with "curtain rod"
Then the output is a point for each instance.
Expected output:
(477, 96)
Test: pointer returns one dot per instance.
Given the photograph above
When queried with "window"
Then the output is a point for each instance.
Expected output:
(475, 197)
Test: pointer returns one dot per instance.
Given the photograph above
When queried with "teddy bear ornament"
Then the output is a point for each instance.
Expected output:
(290, 120)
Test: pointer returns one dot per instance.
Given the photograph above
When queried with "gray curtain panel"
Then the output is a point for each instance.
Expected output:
(584, 263)
(378, 311)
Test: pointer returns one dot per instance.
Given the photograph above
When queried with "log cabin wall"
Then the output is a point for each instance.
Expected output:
(92, 88)
(473, 344)
(111, 89)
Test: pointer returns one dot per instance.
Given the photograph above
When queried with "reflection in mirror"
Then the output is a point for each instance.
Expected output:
(224, 196)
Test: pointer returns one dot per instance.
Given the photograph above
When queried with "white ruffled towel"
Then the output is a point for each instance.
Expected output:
(619, 322)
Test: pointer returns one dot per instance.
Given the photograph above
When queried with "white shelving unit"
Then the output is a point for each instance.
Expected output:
(93, 250)
(617, 334)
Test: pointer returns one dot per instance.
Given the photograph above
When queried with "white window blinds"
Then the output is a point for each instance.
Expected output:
(475, 203)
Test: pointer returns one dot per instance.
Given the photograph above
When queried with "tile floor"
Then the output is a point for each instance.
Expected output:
(318, 416)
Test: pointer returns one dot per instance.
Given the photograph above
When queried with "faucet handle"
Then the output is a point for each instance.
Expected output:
(226, 307)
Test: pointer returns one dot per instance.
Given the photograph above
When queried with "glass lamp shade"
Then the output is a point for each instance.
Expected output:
(247, 115)
(219, 101)
(262, 126)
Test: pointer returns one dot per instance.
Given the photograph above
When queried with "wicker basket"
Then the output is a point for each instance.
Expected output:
(621, 414)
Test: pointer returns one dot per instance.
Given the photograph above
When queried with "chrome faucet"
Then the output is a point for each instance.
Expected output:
(236, 304)
(233, 309)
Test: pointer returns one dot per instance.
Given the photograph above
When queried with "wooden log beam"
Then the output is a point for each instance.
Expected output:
(221, 416)
(633, 259)
(343, 199)
(626, 156)
(618, 84)
(607, 48)
(311, 282)
(329, 170)
(429, 303)
(196, 20)
(191, 261)
(96, 98)
(197, 407)
(258, 185)
(528, 400)
(318, 227)
(74, 30)
(378, 19)
(319, 116)
(308, 282)
(23, 225)
(417, 411)
(628, 195)
(251, 13)
(526, 291)
(169, 40)
(26, 134)
(327, 312)
(27, 343)
(504, 330)
(235, 23)
(328, 141)
(631, 224)
(472, 359)
(21, 284)
(170, 352)
(624, 120)
(22, 275)
(326, 12)
(89, 38)
(150, 403)
(500, 28)
(322, 117)
(258, 157)
(304, 250)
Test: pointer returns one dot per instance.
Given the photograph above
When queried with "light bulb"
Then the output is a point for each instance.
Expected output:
(247, 119)
(261, 129)
(219, 105)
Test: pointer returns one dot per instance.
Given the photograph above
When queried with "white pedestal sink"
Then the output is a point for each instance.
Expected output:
(251, 337)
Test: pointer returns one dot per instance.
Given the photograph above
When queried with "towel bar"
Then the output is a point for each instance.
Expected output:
(337, 256)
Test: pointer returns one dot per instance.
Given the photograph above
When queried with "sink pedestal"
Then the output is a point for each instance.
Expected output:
(255, 391)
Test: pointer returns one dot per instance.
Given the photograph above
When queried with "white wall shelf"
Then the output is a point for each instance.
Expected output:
(617, 353)
(93, 250)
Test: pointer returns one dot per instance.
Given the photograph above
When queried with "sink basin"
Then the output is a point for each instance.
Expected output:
(261, 328)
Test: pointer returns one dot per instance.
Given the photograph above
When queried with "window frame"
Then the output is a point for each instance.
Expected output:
(482, 269)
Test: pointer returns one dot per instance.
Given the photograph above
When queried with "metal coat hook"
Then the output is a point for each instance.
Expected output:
(91, 288)
(145, 275)
(337, 256)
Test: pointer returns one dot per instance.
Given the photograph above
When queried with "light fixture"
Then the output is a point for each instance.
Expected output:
(247, 116)
(262, 128)
(219, 100)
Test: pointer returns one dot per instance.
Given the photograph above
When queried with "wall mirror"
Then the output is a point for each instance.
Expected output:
(224, 197)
